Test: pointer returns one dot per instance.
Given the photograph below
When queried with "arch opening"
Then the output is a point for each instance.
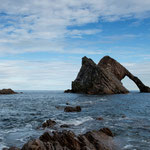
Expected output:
(129, 84)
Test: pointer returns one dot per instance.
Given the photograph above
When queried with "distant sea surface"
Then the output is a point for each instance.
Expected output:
(127, 115)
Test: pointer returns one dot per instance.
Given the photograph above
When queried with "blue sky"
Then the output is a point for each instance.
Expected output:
(42, 42)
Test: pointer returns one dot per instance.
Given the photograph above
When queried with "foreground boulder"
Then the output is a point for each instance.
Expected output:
(103, 78)
(67, 140)
(72, 109)
(7, 91)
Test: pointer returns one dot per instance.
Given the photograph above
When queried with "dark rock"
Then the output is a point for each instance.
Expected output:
(103, 78)
(107, 131)
(68, 91)
(99, 118)
(72, 109)
(7, 91)
(34, 145)
(48, 123)
(123, 116)
(67, 103)
(67, 140)
(65, 126)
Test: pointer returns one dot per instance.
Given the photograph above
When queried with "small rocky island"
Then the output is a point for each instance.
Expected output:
(103, 78)
(7, 91)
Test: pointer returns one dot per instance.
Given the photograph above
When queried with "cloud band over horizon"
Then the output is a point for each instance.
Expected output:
(64, 31)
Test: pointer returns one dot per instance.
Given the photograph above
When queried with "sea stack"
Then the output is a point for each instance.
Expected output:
(103, 78)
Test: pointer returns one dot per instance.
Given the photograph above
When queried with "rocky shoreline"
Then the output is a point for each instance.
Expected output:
(67, 140)
(102, 139)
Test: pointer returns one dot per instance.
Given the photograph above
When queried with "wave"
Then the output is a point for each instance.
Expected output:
(75, 122)
(127, 146)
(2, 145)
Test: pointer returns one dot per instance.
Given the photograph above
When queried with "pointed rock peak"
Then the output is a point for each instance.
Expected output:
(87, 61)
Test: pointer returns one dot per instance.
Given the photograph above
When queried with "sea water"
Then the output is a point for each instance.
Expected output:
(127, 115)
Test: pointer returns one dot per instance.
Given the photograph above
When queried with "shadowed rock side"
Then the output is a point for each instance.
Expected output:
(7, 91)
(67, 140)
(103, 78)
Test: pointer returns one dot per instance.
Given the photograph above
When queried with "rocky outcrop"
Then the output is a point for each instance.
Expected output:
(67, 140)
(48, 123)
(72, 109)
(103, 78)
(7, 91)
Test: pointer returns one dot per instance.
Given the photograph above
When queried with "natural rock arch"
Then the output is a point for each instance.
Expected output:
(104, 77)
(129, 84)
(120, 72)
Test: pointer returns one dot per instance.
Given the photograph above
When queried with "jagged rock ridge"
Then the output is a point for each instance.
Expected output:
(103, 78)
(67, 140)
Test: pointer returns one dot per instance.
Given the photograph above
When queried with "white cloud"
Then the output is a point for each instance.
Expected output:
(116, 38)
(55, 74)
(37, 75)
(79, 33)
(23, 21)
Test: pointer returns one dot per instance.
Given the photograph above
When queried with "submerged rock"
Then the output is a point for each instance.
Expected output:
(99, 118)
(72, 109)
(67, 140)
(65, 126)
(7, 91)
(103, 78)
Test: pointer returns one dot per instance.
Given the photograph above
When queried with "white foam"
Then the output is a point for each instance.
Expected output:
(103, 99)
(87, 102)
(76, 122)
(28, 126)
(2, 145)
(14, 130)
(127, 146)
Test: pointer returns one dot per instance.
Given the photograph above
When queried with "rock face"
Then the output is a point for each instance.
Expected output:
(7, 91)
(103, 78)
(67, 140)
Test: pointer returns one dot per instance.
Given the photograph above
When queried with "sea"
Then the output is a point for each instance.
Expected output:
(126, 115)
